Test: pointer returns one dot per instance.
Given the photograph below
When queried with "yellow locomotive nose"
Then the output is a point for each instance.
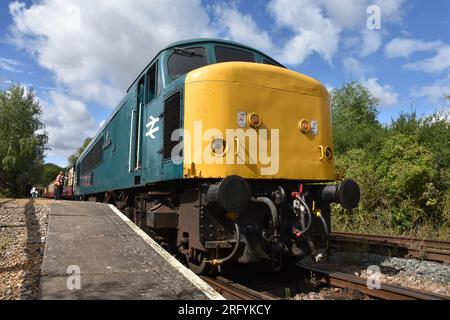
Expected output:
(265, 101)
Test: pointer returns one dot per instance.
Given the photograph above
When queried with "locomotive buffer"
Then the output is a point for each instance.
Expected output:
(94, 252)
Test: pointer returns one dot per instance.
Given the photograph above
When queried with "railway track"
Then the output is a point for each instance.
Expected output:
(432, 250)
(234, 291)
(385, 292)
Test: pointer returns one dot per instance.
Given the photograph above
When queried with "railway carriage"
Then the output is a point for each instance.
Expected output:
(222, 154)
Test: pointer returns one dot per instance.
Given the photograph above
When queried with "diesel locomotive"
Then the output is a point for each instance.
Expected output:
(221, 154)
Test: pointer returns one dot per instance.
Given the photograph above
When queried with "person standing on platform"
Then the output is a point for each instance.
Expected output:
(59, 185)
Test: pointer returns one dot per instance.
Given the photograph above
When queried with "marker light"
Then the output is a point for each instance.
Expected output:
(304, 125)
(254, 120)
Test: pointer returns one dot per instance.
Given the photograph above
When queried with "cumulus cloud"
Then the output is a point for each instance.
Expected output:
(384, 93)
(318, 26)
(68, 123)
(97, 48)
(313, 32)
(240, 27)
(352, 14)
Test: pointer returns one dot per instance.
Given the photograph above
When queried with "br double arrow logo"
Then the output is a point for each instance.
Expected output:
(151, 127)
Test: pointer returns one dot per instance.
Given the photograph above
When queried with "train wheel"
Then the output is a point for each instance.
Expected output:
(197, 263)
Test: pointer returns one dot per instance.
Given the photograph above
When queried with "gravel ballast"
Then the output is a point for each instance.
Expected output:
(23, 230)
(416, 274)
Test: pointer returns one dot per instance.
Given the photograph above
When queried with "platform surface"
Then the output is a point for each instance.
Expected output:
(112, 257)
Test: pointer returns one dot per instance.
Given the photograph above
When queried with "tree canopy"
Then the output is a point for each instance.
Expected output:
(23, 139)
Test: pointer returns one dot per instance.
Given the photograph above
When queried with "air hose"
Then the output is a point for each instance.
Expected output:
(305, 229)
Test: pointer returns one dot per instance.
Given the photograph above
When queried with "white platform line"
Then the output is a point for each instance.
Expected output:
(191, 276)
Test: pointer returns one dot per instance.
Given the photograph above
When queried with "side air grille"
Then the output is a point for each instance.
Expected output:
(171, 122)
(93, 158)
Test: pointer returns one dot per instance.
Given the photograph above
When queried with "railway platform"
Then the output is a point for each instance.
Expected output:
(93, 251)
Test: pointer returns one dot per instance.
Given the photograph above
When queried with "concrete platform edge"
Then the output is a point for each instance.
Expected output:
(191, 276)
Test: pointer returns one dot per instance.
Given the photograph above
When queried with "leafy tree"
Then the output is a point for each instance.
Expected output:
(23, 139)
(74, 157)
(354, 118)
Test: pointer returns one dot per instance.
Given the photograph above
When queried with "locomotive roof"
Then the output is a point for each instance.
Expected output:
(200, 40)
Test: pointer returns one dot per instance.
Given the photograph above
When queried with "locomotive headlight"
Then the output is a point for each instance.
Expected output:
(219, 146)
(304, 125)
(254, 119)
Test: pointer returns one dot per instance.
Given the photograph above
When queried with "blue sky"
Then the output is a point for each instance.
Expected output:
(79, 56)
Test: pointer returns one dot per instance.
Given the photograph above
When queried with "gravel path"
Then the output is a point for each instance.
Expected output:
(412, 273)
(23, 229)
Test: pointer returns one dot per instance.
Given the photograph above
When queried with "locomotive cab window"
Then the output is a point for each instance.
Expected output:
(183, 60)
(152, 83)
(225, 54)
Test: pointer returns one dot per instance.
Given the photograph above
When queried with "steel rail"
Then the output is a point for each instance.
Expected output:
(438, 244)
(234, 291)
(433, 250)
(385, 292)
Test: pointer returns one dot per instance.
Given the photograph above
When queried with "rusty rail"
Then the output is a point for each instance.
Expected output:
(234, 291)
(432, 250)
(386, 291)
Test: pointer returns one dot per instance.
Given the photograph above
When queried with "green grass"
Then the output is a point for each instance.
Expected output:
(364, 223)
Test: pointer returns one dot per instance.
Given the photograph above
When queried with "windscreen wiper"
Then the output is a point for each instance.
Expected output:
(186, 52)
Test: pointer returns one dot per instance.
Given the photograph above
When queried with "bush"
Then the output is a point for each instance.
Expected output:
(402, 168)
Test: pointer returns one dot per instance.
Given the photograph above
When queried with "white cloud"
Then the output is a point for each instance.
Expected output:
(352, 14)
(10, 65)
(97, 48)
(352, 66)
(384, 93)
(434, 92)
(241, 28)
(349, 14)
(313, 32)
(436, 64)
(371, 42)
(318, 26)
(68, 123)
(403, 48)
